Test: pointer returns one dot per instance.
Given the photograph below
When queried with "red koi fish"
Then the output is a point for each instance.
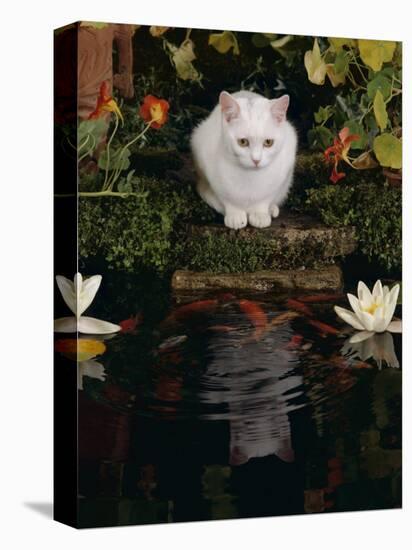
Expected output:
(256, 316)
(299, 306)
(323, 327)
(187, 310)
(316, 298)
(295, 341)
(129, 326)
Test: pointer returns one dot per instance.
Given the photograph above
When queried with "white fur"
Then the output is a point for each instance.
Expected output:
(230, 181)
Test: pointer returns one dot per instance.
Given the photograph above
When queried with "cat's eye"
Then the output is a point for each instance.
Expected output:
(268, 142)
(243, 142)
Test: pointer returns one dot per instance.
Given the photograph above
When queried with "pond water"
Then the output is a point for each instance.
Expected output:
(232, 406)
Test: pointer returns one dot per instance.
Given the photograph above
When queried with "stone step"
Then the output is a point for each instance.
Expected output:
(292, 242)
(327, 278)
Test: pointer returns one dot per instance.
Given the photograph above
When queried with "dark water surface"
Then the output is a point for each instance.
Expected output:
(238, 406)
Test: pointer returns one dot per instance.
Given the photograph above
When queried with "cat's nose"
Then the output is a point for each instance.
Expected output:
(256, 161)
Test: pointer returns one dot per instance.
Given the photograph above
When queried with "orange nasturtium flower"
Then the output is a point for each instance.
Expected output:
(339, 151)
(105, 103)
(154, 110)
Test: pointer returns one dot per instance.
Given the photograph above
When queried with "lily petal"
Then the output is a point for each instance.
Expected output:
(390, 303)
(364, 295)
(360, 336)
(67, 290)
(381, 319)
(349, 317)
(90, 325)
(377, 291)
(65, 324)
(395, 326)
(88, 291)
(90, 368)
(367, 320)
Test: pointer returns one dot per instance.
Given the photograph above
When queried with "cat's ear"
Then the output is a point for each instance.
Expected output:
(229, 105)
(279, 108)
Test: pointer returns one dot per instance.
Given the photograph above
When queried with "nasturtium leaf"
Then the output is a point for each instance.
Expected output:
(95, 128)
(379, 109)
(341, 64)
(118, 159)
(315, 65)
(380, 82)
(388, 150)
(94, 24)
(376, 52)
(356, 128)
(224, 41)
(338, 43)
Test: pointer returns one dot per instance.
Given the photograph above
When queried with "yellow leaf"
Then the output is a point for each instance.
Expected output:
(388, 150)
(335, 78)
(379, 109)
(338, 43)
(376, 52)
(182, 58)
(224, 41)
(314, 64)
(158, 31)
(365, 161)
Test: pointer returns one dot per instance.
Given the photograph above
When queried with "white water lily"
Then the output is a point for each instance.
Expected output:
(372, 311)
(378, 346)
(78, 296)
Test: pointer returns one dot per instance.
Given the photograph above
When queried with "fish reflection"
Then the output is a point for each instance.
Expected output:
(254, 385)
(380, 347)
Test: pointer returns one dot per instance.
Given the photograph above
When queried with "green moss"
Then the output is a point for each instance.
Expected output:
(374, 209)
(143, 232)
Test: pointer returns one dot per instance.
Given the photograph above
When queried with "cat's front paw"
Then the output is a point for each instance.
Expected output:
(260, 219)
(236, 220)
(274, 211)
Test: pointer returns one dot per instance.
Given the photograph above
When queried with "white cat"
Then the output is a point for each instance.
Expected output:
(244, 153)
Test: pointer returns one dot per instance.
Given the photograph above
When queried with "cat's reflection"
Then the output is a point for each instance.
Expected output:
(257, 385)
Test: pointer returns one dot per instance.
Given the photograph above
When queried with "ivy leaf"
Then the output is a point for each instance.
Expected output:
(314, 64)
(224, 41)
(380, 82)
(388, 150)
(336, 79)
(323, 114)
(182, 58)
(379, 109)
(376, 52)
(341, 64)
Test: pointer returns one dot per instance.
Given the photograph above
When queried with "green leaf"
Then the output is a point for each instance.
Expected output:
(376, 52)
(388, 150)
(341, 64)
(356, 128)
(338, 43)
(382, 83)
(320, 138)
(259, 40)
(323, 114)
(224, 41)
(379, 108)
(118, 159)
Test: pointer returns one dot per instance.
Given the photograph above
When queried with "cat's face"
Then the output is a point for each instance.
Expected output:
(254, 130)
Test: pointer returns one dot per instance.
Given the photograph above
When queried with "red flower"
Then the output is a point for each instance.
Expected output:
(339, 151)
(105, 103)
(154, 110)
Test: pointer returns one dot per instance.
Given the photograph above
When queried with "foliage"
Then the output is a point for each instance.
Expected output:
(368, 103)
(145, 231)
(374, 209)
